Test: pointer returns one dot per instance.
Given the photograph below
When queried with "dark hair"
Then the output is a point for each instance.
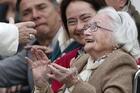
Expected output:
(96, 4)
(19, 1)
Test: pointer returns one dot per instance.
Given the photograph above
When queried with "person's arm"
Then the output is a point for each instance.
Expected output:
(9, 37)
(13, 70)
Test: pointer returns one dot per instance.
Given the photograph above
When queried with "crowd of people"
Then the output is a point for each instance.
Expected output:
(68, 46)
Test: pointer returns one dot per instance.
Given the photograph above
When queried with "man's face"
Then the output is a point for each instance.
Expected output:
(43, 13)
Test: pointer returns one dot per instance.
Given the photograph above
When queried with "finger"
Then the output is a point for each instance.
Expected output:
(11, 20)
(31, 64)
(52, 76)
(31, 31)
(18, 88)
(28, 47)
(29, 61)
(7, 90)
(39, 47)
(27, 31)
(54, 70)
(72, 61)
(37, 55)
(48, 50)
(3, 90)
(13, 89)
(43, 55)
(34, 57)
(28, 24)
(59, 67)
(33, 46)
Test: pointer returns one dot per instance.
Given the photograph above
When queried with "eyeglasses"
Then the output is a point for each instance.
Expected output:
(93, 27)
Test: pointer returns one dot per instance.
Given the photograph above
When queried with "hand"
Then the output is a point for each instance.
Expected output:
(25, 29)
(39, 66)
(13, 89)
(45, 49)
(62, 74)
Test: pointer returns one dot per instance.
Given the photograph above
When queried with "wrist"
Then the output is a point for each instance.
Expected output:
(74, 80)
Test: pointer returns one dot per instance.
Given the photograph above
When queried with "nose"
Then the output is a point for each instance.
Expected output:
(79, 26)
(86, 32)
(35, 15)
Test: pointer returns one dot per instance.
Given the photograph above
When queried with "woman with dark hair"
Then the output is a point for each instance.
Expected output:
(95, 4)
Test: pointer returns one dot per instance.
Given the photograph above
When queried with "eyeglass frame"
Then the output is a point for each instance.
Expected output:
(93, 27)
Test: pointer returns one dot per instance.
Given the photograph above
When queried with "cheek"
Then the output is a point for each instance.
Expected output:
(71, 30)
(27, 18)
(103, 41)
(108, 2)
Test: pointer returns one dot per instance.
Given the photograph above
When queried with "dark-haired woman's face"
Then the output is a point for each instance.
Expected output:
(78, 14)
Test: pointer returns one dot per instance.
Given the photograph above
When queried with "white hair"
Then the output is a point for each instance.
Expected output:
(124, 30)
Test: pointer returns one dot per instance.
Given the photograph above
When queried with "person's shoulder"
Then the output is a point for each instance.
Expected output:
(120, 57)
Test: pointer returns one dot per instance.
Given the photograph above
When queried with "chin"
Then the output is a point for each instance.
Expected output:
(86, 48)
(89, 47)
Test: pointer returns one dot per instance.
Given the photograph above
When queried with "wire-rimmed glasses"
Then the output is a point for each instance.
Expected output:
(93, 27)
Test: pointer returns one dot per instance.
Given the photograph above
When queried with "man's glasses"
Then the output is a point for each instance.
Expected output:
(93, 27)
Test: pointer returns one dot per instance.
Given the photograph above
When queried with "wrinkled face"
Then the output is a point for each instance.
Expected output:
(78, 14)
(98, 38)
(43, 13)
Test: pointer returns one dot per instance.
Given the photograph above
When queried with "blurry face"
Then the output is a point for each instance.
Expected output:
(98, 38)
(43, 13)
(117, 4)
(78, 14)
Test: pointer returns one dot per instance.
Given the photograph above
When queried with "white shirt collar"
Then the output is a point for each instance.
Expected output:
(63, 39)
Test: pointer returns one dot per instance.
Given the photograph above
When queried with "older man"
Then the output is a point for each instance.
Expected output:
(49, 33)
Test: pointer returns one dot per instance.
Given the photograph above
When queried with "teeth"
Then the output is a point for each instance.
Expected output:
(89, 40)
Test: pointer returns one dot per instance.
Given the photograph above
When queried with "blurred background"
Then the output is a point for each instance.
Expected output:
(137, 4)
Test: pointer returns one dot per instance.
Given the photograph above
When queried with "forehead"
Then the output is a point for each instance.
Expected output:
(103, 20)
(78, 8)
(24, 4)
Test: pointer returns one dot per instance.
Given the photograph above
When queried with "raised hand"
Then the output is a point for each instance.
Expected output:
(62, 74)
(26, 30)
(39, 65)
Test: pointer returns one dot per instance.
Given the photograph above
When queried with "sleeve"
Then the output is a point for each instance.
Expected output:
(83, 87)
(9, 37)
(13, 70)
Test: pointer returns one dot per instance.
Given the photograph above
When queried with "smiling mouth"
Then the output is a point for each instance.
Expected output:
(89, 40)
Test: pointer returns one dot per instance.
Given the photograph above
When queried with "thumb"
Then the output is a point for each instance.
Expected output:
(28, 24)
(11, 20)
(71, 62)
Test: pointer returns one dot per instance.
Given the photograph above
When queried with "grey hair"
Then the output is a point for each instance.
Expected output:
(124, 30)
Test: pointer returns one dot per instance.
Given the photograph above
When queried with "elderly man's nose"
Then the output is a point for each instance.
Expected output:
(35, 14)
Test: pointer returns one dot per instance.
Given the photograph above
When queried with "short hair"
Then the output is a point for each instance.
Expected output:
(96, 4)
(19, 1)
(124, 29)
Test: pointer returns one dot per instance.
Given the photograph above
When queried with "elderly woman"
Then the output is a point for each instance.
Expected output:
(110, 62)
